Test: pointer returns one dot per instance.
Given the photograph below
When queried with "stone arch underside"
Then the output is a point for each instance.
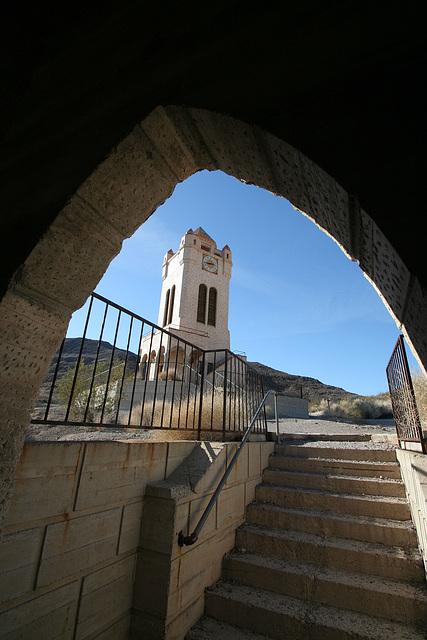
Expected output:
(171, 144)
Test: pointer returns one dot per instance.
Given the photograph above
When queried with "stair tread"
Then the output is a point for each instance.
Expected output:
(337, 476)
(323, 573)
(331, 542)
(209, 629)
(311, 615)
(369, 497)
(325, 437)
(370, 463)
(370, 520)
(307, 449)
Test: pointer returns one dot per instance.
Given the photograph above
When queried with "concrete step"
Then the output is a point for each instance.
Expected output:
(378, 530)
(372, 506)
(285, 618)
(339, 453)
(335, 483)
(211, 629)
(335, 553)
(345, 467)
(324, 437)
(350, 591)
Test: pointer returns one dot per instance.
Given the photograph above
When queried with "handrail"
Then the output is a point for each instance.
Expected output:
(193, 537)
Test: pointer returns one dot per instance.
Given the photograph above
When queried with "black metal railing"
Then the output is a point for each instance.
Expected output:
(187, 540)
(127, 371)
(405, 411)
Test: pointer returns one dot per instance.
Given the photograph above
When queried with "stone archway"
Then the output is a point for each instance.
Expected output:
(140, 174)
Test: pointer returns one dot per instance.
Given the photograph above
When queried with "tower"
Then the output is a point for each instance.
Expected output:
(195, 292)
(193, 306)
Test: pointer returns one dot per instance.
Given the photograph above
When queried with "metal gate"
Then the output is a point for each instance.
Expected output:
(405, 412)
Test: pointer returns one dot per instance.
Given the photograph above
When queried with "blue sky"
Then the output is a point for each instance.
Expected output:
(297, 303)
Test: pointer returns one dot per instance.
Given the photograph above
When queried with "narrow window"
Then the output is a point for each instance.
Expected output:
(171, 304)
(212, 307)
(165, 315)
(201, 304)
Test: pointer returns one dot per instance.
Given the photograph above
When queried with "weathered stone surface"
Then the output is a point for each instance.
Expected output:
(50, 616)
(19, 553)
(46, 482)
(130, 527)
(106, 596)
(75, 545)
(113, 472)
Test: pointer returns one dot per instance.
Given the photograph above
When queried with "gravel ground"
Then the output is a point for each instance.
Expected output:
(383, 432)
(40, 433)
(381, 429)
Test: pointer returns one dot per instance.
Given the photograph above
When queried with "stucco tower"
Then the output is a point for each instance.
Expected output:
(195, 292)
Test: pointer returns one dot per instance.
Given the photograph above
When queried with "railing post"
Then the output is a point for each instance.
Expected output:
(202, 384)
(224, 406)
(276, 409)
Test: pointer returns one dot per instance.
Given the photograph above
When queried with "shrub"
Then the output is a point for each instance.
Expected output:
(90, 395)
(356, 409)
(186, 414)
(171, 374)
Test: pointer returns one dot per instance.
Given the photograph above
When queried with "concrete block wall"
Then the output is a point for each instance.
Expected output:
(414, 474)
(288, 407)
(170, 580)
(68, 554)
(70, 547)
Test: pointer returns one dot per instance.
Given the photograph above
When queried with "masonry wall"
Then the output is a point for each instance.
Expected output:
(170, 582)
(70, 549)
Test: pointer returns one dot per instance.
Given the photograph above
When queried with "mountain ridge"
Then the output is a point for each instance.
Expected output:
(300, 386)
(311, 389)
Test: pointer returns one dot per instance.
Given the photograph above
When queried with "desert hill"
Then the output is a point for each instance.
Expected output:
(70, 354)
(292, 385)
(299, 386)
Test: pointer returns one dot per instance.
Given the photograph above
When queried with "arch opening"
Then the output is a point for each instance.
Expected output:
(139, 175)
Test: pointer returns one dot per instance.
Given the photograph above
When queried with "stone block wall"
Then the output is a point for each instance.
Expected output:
(170, 580)
(68, 554)
(74, 537)
(414, 474)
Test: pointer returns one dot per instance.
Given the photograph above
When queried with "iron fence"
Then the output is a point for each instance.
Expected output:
(405, 411)
(136, 374)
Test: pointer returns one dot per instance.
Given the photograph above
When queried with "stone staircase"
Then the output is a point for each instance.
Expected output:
(328, 551)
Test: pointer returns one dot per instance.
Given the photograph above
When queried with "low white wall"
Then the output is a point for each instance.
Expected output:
(414, 473)
(288, 407)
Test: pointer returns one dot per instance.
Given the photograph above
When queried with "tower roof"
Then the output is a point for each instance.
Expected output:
(202, 233)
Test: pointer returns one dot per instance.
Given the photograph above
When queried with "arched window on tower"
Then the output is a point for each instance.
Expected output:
(212, 307)
(165, 315)
(201, 303)
(171, 304)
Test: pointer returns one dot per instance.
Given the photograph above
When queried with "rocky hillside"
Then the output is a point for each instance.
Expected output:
(310, 388)
(71, 352)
